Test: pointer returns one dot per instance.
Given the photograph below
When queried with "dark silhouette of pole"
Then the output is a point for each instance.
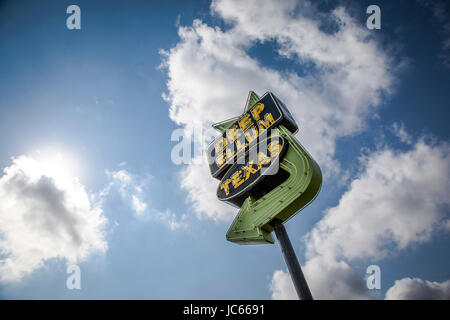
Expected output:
(291, 261)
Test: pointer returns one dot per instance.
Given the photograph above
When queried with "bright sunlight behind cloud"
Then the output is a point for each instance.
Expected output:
(45, 213)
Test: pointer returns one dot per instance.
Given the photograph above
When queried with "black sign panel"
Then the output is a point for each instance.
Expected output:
(267, 113)
(260, 161)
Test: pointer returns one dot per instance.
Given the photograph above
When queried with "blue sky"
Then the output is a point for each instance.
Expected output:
(108, 97)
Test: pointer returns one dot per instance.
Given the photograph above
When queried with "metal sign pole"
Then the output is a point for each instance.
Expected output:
(291, 261)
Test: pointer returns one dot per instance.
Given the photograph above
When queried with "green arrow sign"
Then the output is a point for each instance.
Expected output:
(263, 169)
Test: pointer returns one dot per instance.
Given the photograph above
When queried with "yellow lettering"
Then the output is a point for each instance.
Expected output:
(267, 122)
(220, 145)
(230, 154)
(256, 110)
(221, 160)
(252, 134)
(236, 179)
(262, 159)
(274, 148)
(233, 133)
(249, 170)
(225, 186)
(245, 122)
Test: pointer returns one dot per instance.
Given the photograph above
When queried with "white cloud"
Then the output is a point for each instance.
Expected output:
(350, 74)
(327, 279)
(417, 289)
(133, 190)
(137, 205)
(202, 193)
(333, 279)
(172, 220)
(399, 198)
(122, 175)
(130, 188)
(45, 213)
(124, 179)
(400, 132)
(282, 287)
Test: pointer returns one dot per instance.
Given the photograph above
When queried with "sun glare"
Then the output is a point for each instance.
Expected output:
(59, 165)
